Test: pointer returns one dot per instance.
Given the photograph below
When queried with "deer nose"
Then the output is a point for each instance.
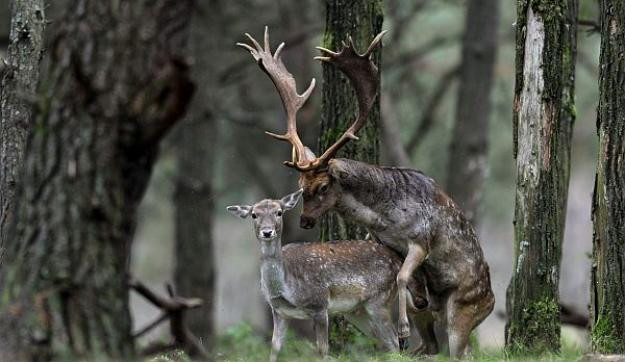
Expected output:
(306, 222)
(267, 233)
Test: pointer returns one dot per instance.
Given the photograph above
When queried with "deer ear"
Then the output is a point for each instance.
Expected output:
(241, 211)
(336, 169)
(291, 200)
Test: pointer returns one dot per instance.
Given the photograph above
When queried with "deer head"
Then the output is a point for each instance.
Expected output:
(317, 178)
(267, 215)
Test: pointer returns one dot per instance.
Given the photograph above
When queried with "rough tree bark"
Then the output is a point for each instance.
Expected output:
(468, 150)
(195, 147)
(116, 84)
(19, 82)
(608, 211)
(543, 120)
(362, 20)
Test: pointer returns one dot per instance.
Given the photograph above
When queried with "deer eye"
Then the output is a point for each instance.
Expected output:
(254, 216)
(280, 213)
(323, 189)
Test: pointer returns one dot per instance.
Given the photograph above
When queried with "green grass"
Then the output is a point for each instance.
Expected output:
(242, 344)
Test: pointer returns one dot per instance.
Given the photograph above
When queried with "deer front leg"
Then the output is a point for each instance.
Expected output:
(320, 321)
(279, 332)
(416, 255)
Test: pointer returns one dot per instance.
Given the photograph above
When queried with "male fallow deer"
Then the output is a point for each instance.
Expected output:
(402, 208)
(314, 280)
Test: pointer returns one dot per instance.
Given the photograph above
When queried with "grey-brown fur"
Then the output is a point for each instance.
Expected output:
(354, 278)
(408, 211)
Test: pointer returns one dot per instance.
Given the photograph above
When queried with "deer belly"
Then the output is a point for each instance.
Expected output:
(293, 313)
(345, 298)
(342, 305)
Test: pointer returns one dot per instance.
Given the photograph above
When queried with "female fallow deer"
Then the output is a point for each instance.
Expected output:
(313, 280)
(402, 208)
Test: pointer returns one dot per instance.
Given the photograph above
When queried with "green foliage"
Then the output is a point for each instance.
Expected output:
(603, 336)
(241, 343)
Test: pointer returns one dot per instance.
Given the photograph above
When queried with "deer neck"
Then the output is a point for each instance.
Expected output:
(272, 273)
(361, 210)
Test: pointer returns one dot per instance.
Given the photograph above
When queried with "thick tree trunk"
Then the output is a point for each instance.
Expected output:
(543, 119)
(608, 211)
(195, 148)
(19, 81)
(469, 143)
(362, 20)
(117, 82)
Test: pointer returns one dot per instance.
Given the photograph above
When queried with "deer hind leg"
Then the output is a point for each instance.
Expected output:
(416, 255)
(381, 323)
(460, 323)
(320, 321)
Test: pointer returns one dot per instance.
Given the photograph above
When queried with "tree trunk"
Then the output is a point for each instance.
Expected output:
(543, 120)
(608, 211)
(117, 82)
(469, 144)
(195, 148)
(17, 90)
(362, 20)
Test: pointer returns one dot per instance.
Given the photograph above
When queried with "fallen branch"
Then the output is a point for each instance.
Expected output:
(174, 308)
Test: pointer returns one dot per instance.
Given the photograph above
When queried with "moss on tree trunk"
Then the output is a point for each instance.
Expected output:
(116, 84)
(362, 20)
(608, 211)
(543, 120)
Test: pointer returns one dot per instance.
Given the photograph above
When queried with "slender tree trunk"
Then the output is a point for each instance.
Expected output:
(469, 144)
(195, 148)
(608, 211)
(362, 20)
(194, 272)
(17, 91)
(543, 119)
(117, 82)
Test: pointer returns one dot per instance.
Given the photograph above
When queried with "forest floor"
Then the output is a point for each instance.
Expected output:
(242, 344)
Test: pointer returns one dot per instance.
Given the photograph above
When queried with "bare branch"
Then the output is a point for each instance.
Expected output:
(174, 308)
(413, 55)
(427, 118)
(591, 24)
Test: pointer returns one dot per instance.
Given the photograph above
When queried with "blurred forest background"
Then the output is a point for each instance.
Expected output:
(231, 161)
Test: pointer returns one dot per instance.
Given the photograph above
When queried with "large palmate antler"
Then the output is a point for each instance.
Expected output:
(359, 69)
(363, 75)
(285, 84)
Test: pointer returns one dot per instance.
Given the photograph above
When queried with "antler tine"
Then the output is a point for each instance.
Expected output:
(363, 75)
(287, 89)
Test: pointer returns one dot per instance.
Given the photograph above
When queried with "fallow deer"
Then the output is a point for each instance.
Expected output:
(354, 278)
(401, 208)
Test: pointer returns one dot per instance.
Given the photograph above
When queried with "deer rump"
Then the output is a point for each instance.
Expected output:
(346, 274)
